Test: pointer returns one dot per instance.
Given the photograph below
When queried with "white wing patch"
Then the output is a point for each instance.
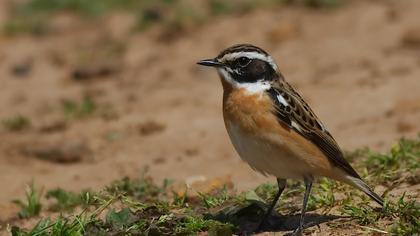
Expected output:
(282, 100)
(296, 126)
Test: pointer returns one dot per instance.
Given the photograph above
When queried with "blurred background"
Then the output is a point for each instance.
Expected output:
(91, 91)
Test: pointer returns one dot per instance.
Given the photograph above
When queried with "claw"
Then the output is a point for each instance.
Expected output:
(298, 232)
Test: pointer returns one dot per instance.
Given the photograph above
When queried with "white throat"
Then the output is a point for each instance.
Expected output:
(256, 87)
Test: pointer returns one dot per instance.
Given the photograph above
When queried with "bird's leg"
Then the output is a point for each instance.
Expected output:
(281, 183)
(308, 187)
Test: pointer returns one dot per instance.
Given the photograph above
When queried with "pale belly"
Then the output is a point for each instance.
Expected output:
(268, 158)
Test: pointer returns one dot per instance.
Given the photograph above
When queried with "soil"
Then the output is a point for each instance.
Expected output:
(358, 66)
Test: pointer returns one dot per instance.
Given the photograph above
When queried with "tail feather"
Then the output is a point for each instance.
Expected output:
(358, 183)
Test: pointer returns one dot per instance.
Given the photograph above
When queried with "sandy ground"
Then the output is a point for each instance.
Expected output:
(358, 66)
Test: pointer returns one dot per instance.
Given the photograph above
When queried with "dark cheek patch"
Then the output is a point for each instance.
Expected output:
(256, 68)
(254, 71)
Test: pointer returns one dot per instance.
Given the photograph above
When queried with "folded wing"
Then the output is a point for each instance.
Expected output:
(292, 110)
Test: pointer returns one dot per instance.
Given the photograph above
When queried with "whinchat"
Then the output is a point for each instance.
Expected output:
(273, 129)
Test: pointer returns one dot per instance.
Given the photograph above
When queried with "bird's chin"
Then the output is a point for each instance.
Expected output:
(226, 79)
(225, 76)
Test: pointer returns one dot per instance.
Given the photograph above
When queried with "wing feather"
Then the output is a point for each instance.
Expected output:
(291, 109)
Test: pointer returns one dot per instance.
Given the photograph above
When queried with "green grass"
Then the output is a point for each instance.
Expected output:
(59, 227)
(404, 215)
(33, 16)
(16, 123)
(404, 154)
(19, 24)
(408, 213)
(142, 188)
(323, 195)
(31, 206)
(89, 8)
(67, 201)
(215, 199)
(132, 207)
(78, 109)
(388, 168)
(141, 207)
(86, 107)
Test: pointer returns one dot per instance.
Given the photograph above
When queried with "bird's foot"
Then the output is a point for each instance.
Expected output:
(297, 232)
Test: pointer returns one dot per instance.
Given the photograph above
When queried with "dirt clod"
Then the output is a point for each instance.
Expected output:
(150, 127)
(192, 152)
(411, 38)
(60, 152)
(22, 69)
(84, 73)
(404, 126)
(159, 160)
(53, 126)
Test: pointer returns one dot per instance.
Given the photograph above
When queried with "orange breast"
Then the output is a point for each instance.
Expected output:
(252, 114)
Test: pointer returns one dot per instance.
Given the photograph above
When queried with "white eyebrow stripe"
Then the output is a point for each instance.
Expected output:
(251, 55)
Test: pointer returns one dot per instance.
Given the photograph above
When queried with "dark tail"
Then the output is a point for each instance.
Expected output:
(358, 183)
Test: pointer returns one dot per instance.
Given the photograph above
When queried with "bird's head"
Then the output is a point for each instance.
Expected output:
(244, 65)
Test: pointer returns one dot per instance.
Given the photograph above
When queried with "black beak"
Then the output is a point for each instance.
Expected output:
(210, 62)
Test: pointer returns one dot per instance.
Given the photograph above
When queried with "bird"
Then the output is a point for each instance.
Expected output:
(273, 129)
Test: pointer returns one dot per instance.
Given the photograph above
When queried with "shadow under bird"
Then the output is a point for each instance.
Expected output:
(273, 129)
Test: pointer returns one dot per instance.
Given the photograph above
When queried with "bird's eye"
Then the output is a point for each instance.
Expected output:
(243, 61)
